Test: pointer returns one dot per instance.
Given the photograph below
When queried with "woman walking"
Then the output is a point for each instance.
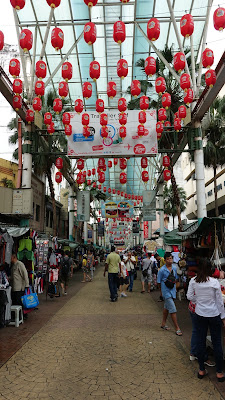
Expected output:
(124, 280)
(90, 263)
(86, 277)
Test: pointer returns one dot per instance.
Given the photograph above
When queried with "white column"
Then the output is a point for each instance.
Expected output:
(200, 176)
(85, 232)
(149, 229)
(161, 212)
(94, 234)
(27, 162)
(71, 213)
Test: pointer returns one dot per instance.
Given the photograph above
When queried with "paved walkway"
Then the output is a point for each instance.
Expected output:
(95, 349)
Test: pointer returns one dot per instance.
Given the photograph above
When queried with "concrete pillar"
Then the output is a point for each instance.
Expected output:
(85, 232)
(149, 229)
(27, 160)
(94, 234)
(200, 175)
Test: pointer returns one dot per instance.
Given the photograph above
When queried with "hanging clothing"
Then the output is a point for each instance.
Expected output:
(9, 246)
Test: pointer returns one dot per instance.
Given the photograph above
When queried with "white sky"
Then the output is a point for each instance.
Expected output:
(215, 41)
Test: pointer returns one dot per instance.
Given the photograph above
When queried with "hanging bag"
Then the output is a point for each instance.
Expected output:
(29, 300)
(170, 281)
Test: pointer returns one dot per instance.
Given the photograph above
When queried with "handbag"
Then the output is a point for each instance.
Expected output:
(170, 281)
(29, 300)
(145, 273)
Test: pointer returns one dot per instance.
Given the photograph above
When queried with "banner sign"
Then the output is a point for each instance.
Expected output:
(96, 146)
(135, 228)
(149, 205)
(115, 209)
(145, 226)
(101, 230)
(83, 205)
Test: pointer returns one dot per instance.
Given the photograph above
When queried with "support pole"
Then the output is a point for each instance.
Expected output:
(193, 65)
(85, 232)
(33, 67)
(200, 175)
(94, 235)
(16, 19)
(27, 160)
(149, 229)
(161, 212)
(20, 165)
(46, 33)
(71, 213)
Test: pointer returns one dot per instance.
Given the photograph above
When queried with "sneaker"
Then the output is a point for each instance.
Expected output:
(193, 358)
(160, 298)
(123, 295)
(65, 293)
(210, 363)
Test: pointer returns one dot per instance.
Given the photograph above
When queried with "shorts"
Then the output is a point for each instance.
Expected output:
(147, 278)
(170, 305)
(64, 279)
(124, 281)
(85, 270)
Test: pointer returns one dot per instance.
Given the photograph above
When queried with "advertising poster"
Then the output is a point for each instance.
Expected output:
(96, 146)
(117, 209)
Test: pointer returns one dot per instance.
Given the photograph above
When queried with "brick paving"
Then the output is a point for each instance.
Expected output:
(94, 349)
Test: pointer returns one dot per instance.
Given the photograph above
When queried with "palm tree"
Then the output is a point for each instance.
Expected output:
(170, 206)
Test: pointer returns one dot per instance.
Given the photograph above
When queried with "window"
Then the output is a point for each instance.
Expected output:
(38, 209)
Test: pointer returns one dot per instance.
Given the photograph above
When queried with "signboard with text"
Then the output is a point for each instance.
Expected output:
(83, 205)
(117, 209)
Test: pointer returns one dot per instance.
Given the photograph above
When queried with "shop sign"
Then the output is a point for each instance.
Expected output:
(136, 228)
(149, 205)
(117, 209)
(83, 205)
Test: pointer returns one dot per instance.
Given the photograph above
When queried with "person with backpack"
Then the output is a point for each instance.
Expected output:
(146, 275)
(66, 271)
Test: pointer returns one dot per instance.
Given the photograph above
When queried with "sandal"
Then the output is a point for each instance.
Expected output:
(143, 291)
(179, 333)
(83, 281)
(202, 376)
(165, 327)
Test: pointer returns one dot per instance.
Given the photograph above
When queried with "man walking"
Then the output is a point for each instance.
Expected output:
(167, 278)
(19, 280)
(146, 274)
(130, 264)
(113, 266)
(66, 271)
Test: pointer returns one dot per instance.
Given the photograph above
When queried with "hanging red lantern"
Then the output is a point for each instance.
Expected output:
(125, 196)
(153, 29)
(122, 118)
(141, 130)
(90, 3)
(187, 25)
(39, 88)
(86, 131)
(210, 78)
(85, 119)
(101, 163)
(94, 185)
(41, 69)
(166, 100)
(63, 89)
(111, 89)
(101, 177)
(14, 67)
(18, 4)
(53, 3)
(89, 182)
(166, 161)
(17, 86)
(104, 132)
(90, 33)
(122, 68)
(109, 190)
(144, 103)
(119, 32)
(104, 189)
(162, 114)
(80, 178)
(89, 172)
(115, 161)
(142, 117)
(160, 85)
(57, 105)
(185, 82)
(94, 70)
(67, 71)
(87, 90)
(177, 124)
(58, 177)
(123, 163)
(37, 104)
(103, 119)
(59, 163)
(166, 175)
(93, 171)
(80, 164)
(150, 66)
(182, 112)
(51, 128)
(179, 61)
(167, 124)
(219, 19)
(189, 96)
(135, 88)
(122, 104)
(144, 176)
(114, 191)
(26, 40)
(79, 106)
(144, 162)
(47, 118)
(1, 40)
(109, 164)
(66, 118)
(57, 38)
(29, 116)
(118, 192)
(123, 178)
(100, 106)
(68, 130)
(136, 199)
(207, 58)
(159, 128)
(176, 115)
(84, 174)
(122, 132)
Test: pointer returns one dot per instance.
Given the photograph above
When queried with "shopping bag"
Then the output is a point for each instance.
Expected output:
(29, 300)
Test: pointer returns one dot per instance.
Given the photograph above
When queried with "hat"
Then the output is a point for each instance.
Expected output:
(85, 255)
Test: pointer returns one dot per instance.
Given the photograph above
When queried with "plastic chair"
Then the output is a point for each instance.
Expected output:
(18, 316)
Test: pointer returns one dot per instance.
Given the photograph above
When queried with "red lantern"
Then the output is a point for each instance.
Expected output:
(166, 161)
(41, 69)
(66, 118)
(57, 38)
(210, 78)
(29, 116)
(87, 90)
(90, 33)
(166, 100)
(101, 163)
(123, 163)
(125, 196)
(89, 172)
(68, 130)
(176, 115)
(47, 118)
(85, 119)
(59, 163)
(141, 130)
(122, 68)
(26, 40)
(207, 58)
(109, 190)
(109, 164)
(122, 104)
(167, 124)
(53, 3)
(187, 25)
(135, 88)
(160, 85)
(89, 182)
(100, 106)
(79, 106)
(94, 185)
(104, 132)
(122, 132)
(58, 177)
(122, 118)
(90, 3)
(150, 66)
(103, 119)
(51, 128)
(185, 82)
(14, 67)
(189, 96)
(119, 32)
(39, 88)
(104, 189)
(144, 162)
(177, 124)
(94, 70)
(144, 176)
(166, 175)
(182, 112)
(162, 114)
(80, 178)
(101, 177)
(144, 103)
(57, 105)
(67, 71)
(111, 89)
(118, 192)
(86, 131)
(80, 164)
(37, 104)
(114, 191)
(179, 61)
(63, 89)
(219, 19)
(18, 4)
(123, 178)
(17, 86)
(115, 161)
(153, 29)
(142, 117)
(159, 129)
(1, 40)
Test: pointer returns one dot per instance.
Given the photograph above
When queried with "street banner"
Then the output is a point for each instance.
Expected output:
(115, 209)
(83, 205)
(149, 205)
(97, 146)
(136, 228)
(145, 226)
(101, 230)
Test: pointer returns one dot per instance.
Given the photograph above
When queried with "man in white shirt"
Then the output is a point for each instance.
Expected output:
(130, 265)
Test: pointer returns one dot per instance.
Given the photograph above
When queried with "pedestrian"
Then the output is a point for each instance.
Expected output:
(113, 266)
(130, 265)
(66, 271)
(160, 262)
(146, 275)
(86, 277)
(90, 263)
(124, 281)
(19, 280)
(167, 278)
(205, 292)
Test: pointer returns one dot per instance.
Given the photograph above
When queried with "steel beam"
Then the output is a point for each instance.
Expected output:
(16, 19)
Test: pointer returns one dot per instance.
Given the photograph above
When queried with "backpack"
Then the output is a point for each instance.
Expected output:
(171, 280)
(65, 269)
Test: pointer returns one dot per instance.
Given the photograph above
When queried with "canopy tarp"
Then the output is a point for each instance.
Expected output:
(205, 225)
(157, 232)
(174, 237)
(15, 231)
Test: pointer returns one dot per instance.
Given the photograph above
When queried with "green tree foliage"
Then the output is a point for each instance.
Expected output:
(169, 203)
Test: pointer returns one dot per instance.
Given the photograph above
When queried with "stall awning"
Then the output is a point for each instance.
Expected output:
(157, 232)
(205, 225)
(14, 231)
(174, 237)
